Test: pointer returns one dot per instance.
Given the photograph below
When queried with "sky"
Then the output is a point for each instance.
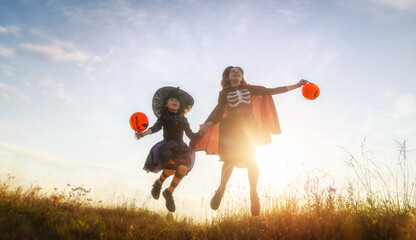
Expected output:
(72, 73)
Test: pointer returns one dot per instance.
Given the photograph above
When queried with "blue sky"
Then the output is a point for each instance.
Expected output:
(71, 74)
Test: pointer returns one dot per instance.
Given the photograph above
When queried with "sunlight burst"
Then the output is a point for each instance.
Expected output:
(279, 161)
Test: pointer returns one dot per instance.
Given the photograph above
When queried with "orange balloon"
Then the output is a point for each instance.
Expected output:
(310, 91)
(139, 122)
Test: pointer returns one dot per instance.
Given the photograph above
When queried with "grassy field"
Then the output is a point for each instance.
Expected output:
(319, 214)
(363, 210)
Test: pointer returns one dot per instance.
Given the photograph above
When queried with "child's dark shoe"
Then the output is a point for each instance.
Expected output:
(255, 204)
(156, 190)
(216, 200)
(170, 203)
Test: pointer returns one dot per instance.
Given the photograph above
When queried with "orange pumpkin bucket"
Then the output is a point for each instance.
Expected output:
(139, 122)
(310, 91)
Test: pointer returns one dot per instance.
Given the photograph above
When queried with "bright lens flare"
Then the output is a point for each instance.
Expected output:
(278, 161)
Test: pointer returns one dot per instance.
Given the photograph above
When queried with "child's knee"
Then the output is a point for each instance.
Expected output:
(182, 169)
(171, 166)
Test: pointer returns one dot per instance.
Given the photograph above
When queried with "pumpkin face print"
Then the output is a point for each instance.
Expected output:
(139, 122)
(310, 91)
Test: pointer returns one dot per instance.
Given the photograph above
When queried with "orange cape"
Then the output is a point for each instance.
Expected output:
(264, 112)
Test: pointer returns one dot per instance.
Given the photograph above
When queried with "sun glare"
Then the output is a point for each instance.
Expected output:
(279, 161)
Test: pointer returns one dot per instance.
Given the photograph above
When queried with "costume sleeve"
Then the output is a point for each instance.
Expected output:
(217, 113)
(191, 135)
(259, 90)
(157, 126)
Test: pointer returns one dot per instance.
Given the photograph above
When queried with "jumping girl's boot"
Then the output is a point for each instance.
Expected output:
(216, 200)
(170, 203)
(255, 204)
(156, 190)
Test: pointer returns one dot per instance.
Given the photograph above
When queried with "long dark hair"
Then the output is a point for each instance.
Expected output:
(225, 82)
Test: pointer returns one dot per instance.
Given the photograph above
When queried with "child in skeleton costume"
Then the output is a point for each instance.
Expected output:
(172, 154)
(243, 119)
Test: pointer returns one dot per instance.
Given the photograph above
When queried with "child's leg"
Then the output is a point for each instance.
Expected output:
(180, 173)
(226, 171)
(170, 169)
(167, 193)
(253, 175)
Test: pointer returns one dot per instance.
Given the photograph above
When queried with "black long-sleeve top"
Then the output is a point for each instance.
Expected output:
(224, 99)
(173, 126)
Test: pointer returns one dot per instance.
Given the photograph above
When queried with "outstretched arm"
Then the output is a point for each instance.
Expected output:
(191, 135)
(279, 90)
(297, 85)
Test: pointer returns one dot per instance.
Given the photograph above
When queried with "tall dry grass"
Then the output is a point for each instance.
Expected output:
(377, 203)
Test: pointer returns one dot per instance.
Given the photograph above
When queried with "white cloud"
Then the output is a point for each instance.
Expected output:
(8, 91)
(6, 52)
(10, 29)
(380, 8)
(56, 89)
(398, 4)
(7, 70)
(8, 73)
(61, 51)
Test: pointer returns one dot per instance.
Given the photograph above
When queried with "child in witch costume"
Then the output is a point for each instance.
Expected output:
(172, 154)
(243, 119)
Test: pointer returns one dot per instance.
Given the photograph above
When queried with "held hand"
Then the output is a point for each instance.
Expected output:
(202, 132)
(140, 134)
(202, 129)
(302, 82)
(209, 124)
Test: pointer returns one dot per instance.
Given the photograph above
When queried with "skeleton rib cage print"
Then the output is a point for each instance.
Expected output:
(237, 97)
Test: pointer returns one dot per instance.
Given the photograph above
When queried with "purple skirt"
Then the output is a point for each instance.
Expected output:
(164, 150)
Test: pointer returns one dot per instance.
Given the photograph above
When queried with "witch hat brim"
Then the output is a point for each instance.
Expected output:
(162, 94)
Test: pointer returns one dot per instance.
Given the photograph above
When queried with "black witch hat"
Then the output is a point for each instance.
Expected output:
(162, 95)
